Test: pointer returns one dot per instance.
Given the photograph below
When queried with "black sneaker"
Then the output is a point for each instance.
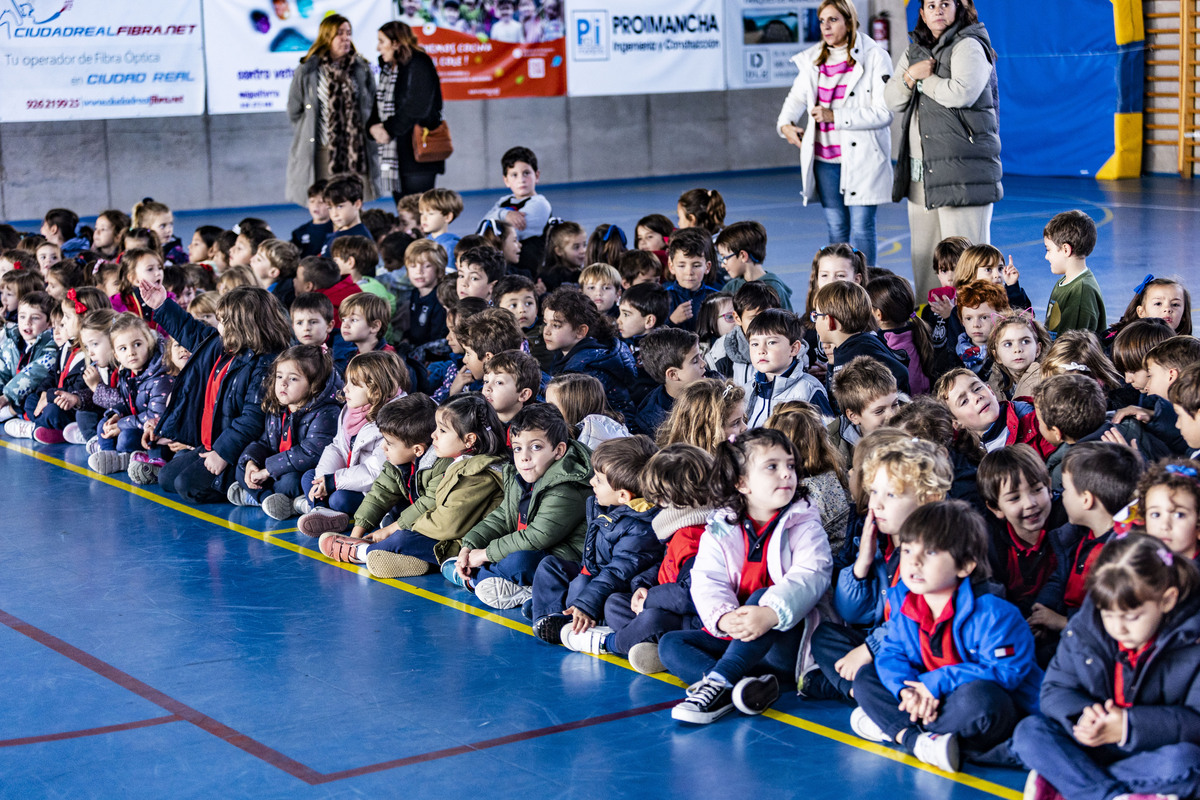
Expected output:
(707, 701)
(549, 628)
(755, 695)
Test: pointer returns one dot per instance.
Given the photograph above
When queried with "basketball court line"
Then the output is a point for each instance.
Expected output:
(269, 537)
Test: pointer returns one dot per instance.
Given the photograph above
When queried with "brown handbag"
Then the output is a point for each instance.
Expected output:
(432, 144)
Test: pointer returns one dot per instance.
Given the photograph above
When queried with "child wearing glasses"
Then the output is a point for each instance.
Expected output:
(741, 251)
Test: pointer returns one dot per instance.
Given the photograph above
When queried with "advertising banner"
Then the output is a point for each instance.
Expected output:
(636, 47)
(252, 47)
(495, 49)
(763, 35)
(90, 59)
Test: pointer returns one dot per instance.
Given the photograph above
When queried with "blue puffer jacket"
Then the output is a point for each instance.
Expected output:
(990, 635)
(620, 543)
(611, 363)
(138, 397)
(1165, 691)
(653, 412)
(861, 603)
(313, 427)
(239, 416)
(680, 295)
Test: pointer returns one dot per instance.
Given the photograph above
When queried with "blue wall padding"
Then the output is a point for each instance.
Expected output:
(1062, 78)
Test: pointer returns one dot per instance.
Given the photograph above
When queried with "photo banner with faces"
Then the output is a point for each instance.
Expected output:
(63, 60)
(764, 35)
(487, 50)
(645, 47)
(252, 47)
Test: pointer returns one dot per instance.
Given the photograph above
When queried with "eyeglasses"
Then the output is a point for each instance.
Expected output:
(721, 259)
(729, 316)
(815, 315)
(620, 235)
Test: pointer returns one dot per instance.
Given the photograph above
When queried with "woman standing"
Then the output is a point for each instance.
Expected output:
(837, 116)
(331, 98)
(949, 160)
(409, 94)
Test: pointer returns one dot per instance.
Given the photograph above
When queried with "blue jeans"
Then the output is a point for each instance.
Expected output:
(342, 500)
(288, 484)
(518, 567)
(852, 224)
(1098, 773)
(127, 440)
(649, 626)
(51, 417)
(409, 543)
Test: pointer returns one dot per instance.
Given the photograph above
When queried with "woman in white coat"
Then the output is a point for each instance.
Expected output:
(836, 114)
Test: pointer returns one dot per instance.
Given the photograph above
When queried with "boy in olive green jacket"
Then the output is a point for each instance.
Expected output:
(543, 512)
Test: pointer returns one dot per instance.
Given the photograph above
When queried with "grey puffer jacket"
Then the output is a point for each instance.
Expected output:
(961, 146)
(304, 112)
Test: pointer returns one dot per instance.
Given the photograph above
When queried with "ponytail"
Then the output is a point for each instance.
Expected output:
(470, 413)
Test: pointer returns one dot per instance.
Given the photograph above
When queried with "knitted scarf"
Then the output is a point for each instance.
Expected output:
(346, 136)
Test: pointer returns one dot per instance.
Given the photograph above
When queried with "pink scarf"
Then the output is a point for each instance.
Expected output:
(356, 418)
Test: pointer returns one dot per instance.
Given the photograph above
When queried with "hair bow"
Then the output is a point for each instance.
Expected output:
(1166, 555)
(620, 235)
(1141, 287)
(1182, 469)
(1075, 366)
(80, 308)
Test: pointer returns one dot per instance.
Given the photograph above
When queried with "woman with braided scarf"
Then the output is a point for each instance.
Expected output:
(332, 96)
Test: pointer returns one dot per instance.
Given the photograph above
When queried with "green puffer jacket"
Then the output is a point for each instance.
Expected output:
(556, 515)
(468, 491)
(390, 488)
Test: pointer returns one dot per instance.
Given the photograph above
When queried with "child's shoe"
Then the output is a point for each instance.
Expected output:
(73, 435)
(93, 445)
(323, 520)
(238, 495)
(7, 413)
(755, 695)
(48, 436)
(502, 593)
(707, 701)
(144, 471)
(386, 564)
(1038, 788)
(302, 505)
(278, 506)
(336, 547)
(19, 428)
(590, 641)
(643, 657)
(549, 628)
(865, 727)
(938, 750)
(450, 573)
(106, 462)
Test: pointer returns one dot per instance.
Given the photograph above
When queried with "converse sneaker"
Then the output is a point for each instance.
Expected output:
(866, 728)
(106, 462)
(938, 750)
(385, 564)
(590, 641)
(323, 520)
(755, 695)
(73, 435)
(336, 547)
(238, 495)
(302, 505)
(1038, 788)
(643, 657)
(707, 701)
(278, 506)
(549, 628)
(501, 593)
(48, 436)
(19, 428)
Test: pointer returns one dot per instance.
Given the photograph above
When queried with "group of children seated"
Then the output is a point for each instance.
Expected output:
(977, 527)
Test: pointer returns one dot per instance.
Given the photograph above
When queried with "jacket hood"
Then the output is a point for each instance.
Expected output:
(737, 347)
(574, 467)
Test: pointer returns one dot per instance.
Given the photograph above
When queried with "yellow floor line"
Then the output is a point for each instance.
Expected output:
(269, 536)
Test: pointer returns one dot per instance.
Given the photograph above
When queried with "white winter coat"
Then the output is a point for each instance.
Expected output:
(353, 465)
(862, 117)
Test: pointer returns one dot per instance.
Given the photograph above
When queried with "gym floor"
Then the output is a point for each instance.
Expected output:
(156, 649)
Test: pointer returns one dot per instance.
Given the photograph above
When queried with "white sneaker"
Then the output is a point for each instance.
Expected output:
(938, 750)
(106, 462)
(590, 641)
(302, 505)
(501, 593)
(866, 728)
(238, 496)
(7, 413)
(73, 435)
(19, 428)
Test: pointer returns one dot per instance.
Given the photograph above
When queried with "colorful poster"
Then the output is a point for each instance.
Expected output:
(252, 47)
(765, 34)
(505, 48)
(635, 47)
(89, 59)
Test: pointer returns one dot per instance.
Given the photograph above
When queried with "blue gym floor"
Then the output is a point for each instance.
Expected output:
(157, 650)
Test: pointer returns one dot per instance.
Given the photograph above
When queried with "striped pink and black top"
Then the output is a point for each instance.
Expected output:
(831, 89)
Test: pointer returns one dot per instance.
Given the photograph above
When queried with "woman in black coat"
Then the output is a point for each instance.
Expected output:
(409, 94)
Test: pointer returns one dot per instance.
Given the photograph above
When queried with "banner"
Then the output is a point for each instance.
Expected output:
(252, 47)
(639, 47)
(91, 59)
(500, 49)
(763, 35)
